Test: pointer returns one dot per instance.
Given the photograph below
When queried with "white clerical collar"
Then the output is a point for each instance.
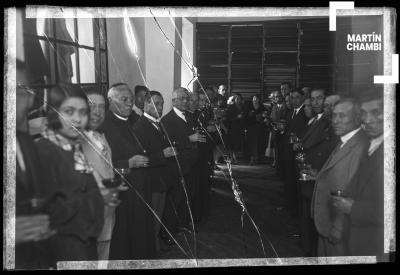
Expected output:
(319, 116)
(150, 117)
(137, 110)
(348, 136)
(121, 117)
(375, 143)
(179, 113)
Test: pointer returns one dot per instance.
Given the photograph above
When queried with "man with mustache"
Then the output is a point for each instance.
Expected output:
(364, 206)
(336, 174)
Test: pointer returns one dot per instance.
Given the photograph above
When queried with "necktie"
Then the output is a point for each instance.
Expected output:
(294, 113)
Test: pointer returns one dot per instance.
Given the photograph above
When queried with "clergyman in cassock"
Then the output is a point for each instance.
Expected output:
(133, 233)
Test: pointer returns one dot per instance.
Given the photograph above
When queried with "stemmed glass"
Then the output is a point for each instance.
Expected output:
(301, 163)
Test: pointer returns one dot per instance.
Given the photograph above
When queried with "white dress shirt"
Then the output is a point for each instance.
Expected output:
(348, 136)
(179, 114)
(316, 118)
(296, 110)
(375, 143)
(137, 110)
(153, 120)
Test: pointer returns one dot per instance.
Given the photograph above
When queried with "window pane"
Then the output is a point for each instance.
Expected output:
(86, 66)
(103, 64)
(85, 31)
(44, 26)
(48, 52)
(65, 29)
(66, 63)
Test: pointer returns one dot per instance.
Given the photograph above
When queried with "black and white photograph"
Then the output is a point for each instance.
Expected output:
(189, 137)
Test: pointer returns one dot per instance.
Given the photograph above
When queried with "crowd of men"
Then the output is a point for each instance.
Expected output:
(328, 150)
(114, 179)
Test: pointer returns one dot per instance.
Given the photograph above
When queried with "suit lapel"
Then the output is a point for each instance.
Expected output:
(340, 154)
(311, 129)
(317, 127)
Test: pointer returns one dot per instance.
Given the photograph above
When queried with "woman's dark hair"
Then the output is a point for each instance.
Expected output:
(57, 95)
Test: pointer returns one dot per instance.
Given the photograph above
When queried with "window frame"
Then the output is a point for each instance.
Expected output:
(98, 51)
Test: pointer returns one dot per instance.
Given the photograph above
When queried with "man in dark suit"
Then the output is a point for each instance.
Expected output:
(317, 143)
(200, 119)
(336, 174)
(296, 124)
(133, 233)
(140, 95)
(30, 229)
(179, 131)
(364, 205)
(151, 136)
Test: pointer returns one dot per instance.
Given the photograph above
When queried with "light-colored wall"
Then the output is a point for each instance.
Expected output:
(122, 66)
(156, 56)
(187, 36)
(160, 58)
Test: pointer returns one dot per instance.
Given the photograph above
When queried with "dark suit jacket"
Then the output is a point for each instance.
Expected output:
(176, 129)
(29, 184)
(337, 173)
(154, 142)
(367, 213)
(318, 142)
(296, 125)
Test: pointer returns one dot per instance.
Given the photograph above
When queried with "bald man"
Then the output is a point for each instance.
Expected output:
(177, 126)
